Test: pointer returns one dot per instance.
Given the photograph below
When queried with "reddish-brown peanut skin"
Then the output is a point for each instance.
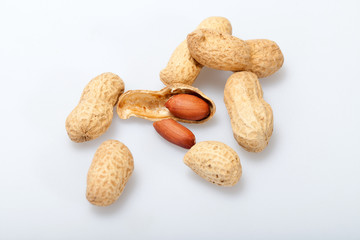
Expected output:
(188, 107)
(175, 133)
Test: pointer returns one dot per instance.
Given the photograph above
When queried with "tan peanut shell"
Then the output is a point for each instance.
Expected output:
(109, 172)
(219, 24)
(182, 68)
(93, 114)
(251, 117)
(225, 52)
(218, 50)
(150, 105)
(266, 57)
(214, 161)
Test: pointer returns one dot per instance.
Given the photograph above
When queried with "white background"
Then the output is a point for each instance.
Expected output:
(305, 185)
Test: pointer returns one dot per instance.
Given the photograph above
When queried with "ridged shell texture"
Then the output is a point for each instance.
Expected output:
(251, 117)
(223, 51)
(218, 50)
(214, 161)
(109, 172)
(182, 68)
(93, 115)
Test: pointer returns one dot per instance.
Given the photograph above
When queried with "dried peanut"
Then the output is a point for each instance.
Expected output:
(222, 51)
(186, 106)
(175, 133)
(218, 50)
(182, 68)
(251, 117)
(219, 24)
(93, 115)
(109, 172)
(266, 57)
(150, 105)
(214, 161)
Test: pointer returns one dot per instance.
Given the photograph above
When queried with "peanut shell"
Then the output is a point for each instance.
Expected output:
(251, 117)
(225, 52)
(219, 24)
(182, 68)
(150, 105)
(109, 172)
(266, 57)
(214, 161)
(218, 50)
(93, 114)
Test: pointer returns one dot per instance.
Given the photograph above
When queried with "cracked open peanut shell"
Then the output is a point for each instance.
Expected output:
(150, 105)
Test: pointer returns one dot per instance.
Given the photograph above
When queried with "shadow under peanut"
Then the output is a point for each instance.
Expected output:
(235, 190)
(212, 80)
(259, 156)
(273, 80)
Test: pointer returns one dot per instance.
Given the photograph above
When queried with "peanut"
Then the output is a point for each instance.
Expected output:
(182, 68)
(188, 106)
(219, 24)
(251, 117)
(175, 133)
(93, 115)
(222, 51)
(150, 105)
(266, 57)
(217, 50)
(214, 161)
(109, 172)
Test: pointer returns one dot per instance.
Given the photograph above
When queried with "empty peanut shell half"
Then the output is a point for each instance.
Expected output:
(150, 105)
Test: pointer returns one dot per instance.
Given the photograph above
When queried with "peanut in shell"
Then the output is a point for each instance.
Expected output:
(214, 161)
(223, 51)
(94, 112)
(182, 68)
(250, 115)
(266, 57)
(218, 50)
(109, 172)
